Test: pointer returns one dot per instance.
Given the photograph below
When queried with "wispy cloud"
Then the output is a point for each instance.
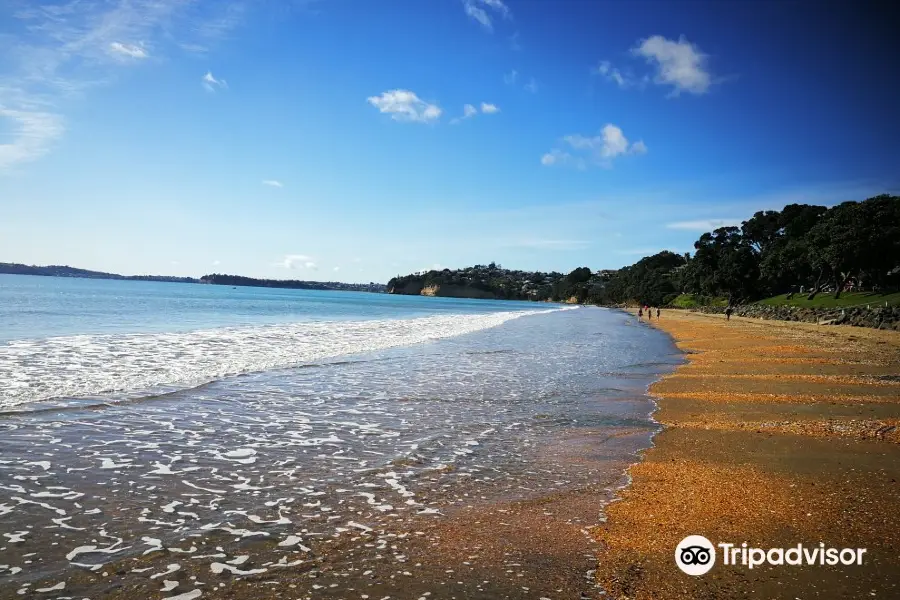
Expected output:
(128, 50)
(53, 51)
(33, 133)
(542, 244)
(298, 261)
(512, 78)
(600, 149)
(645, 251)
(703, 224)
(404, 105)
(484, 11)
(514, 43)
(624, 80)
(212, 84)
(273, 183)
(470, 111)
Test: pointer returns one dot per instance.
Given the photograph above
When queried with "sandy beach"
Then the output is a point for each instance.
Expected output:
(775, 434)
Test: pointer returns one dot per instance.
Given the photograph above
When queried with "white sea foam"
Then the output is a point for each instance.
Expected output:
(91, 365)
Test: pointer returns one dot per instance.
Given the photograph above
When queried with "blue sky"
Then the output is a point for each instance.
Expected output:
(356, 140)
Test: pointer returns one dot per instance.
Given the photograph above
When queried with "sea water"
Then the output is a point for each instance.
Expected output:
(165, 426)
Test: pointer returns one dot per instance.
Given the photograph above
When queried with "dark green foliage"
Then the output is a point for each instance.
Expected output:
(491, 281)
(773, 252)
(801, 247)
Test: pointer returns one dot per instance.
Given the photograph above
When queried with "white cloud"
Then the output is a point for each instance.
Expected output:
(703, 225)
(531, 86)
(295, 261)
(470, 111)
(404, 105)
(639, 147)
(606, 70)
(336, 269)
(556, 157)
(33, 132)
(600, 149)
(273, 183)
(216, 263)
(212, 84)
(680, 64)
(510, 78)
(483, 11)
(129, 50)
(434, 267)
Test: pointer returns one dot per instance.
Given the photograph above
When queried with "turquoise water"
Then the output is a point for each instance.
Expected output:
(213, 428)
(36, 307)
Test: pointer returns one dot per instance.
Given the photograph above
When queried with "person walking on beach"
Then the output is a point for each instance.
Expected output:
(649, 314)
(728, 312)
(640, 312)
(657, 313)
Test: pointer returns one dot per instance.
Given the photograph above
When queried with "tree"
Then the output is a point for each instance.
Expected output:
(784, 264)
(725, 264)
(839, 245)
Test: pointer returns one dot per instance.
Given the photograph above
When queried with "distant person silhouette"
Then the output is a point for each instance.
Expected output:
(728, 312)
(657, 313)
(640, 313)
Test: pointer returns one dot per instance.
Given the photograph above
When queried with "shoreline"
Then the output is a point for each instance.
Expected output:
(773, 433)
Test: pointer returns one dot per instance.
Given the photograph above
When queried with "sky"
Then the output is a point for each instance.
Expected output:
(355, 140)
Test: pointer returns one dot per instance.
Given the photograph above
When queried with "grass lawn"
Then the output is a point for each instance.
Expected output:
(692, 301)
(824, 300)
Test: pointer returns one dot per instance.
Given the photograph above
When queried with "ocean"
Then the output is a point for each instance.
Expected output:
(183, 440)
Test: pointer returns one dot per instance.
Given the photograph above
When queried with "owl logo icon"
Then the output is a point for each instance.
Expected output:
(695, 555)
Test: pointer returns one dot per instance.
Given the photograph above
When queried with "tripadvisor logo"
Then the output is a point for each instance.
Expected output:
(696, 555)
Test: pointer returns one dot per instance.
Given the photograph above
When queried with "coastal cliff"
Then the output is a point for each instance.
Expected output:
(457, 291)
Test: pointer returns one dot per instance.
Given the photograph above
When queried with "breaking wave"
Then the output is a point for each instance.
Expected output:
(98, 365)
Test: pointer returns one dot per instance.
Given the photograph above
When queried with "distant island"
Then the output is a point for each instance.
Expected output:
(214, 279)
(238, 280)
(67, 271)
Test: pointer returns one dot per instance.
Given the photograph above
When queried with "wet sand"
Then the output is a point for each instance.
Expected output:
(775, 434)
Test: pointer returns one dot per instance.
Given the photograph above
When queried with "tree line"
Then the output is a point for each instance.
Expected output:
(801, 248)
